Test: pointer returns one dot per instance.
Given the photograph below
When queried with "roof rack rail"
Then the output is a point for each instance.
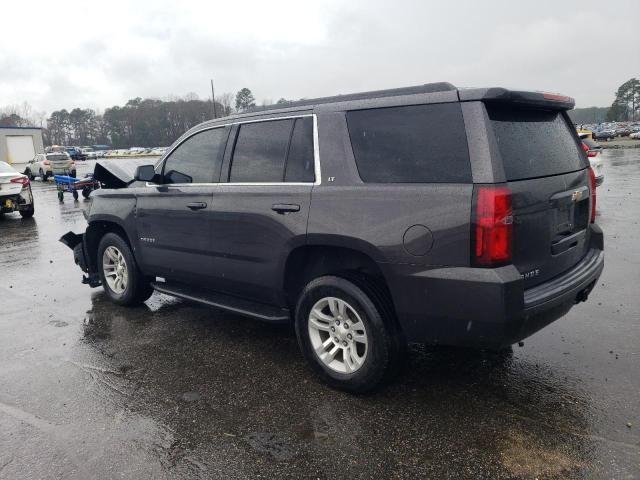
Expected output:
(392, 92)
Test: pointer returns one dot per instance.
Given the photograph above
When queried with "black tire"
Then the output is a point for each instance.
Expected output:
(28, 213)
(138, 288)
(74, 173)
(75, 195)
(29, 174)
(86, 192)
(43, 176)
(60, 197)
(385, 348)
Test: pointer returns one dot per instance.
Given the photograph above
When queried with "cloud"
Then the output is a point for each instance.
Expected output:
(91, 54)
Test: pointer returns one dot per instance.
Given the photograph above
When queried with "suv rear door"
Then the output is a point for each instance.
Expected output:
(547, 173)
(260, 212)
(173, 219)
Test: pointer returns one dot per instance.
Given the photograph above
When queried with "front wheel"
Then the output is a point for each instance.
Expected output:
(29, 174)
(346, 335)
(123, 282)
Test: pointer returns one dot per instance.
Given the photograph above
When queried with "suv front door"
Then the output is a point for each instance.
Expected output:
(173, 218)
(260, 212)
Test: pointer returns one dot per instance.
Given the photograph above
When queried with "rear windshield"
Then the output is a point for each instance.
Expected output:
(535, 143)
(6, 168)
(57, 156)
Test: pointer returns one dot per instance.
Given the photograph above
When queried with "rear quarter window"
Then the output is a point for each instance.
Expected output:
(410, 144)
(535, 143)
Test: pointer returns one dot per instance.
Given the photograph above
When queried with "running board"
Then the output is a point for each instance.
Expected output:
(229, 303)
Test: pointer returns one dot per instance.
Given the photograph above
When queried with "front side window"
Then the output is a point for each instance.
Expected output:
(410, 144)
(198, 159)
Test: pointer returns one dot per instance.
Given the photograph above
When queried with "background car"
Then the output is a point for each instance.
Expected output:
(635, 135)
(75, 153)
(15, 192)
(594, 152)
(604, 134)
(40, 165)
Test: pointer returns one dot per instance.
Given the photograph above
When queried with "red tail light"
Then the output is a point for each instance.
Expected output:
(592, 177)
(493, 226)
(590, 153)
(23, 180)
(45, 162)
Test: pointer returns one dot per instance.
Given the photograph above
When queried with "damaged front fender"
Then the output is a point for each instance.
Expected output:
(76, 242)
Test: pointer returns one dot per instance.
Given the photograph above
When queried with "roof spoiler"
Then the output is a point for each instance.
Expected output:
(543, 100)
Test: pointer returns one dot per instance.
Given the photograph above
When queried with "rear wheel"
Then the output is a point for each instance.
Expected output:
(60, 196)
(123, 282)
(43, 175)
(86, 192)
(345, 335)
(28, 213)
(75, 195)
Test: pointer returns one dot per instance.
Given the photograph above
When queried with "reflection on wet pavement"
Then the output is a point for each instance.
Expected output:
(175, 390)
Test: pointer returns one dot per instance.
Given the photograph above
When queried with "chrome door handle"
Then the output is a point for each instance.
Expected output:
(284, 208)
(196, 205)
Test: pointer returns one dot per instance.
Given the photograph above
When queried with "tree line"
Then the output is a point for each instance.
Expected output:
(153, 122)
(140, 122)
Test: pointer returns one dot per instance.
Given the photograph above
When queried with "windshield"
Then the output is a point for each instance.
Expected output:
(535, 143)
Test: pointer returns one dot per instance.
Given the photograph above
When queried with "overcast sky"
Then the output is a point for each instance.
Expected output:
(63, 54)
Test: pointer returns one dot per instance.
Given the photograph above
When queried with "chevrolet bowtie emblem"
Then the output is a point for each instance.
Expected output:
(576, 196)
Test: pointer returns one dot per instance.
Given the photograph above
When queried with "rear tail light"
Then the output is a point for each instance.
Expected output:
(492, 227)
(45, 162)
(23, 180)
(590, 153)
(592, 177)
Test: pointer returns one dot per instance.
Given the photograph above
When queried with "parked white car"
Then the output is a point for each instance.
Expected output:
(15, 192)
(40, 165)
(635, 135)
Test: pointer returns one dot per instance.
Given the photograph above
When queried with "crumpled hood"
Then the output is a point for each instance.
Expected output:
(118, 173)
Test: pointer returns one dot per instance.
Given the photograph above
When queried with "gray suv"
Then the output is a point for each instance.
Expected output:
(424, 214)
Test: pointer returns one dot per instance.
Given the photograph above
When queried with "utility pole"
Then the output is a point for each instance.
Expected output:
(213, 100)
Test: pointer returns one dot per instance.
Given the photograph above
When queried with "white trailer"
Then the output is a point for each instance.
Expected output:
(18, 145)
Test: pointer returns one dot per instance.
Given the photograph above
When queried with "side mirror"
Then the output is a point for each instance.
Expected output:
(145, 173)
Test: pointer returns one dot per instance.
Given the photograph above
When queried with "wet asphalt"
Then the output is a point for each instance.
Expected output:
(175, 390)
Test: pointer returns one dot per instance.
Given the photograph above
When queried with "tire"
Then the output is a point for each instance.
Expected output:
(75, 195)
(28, 213)
(74, 173)
(60, 197)
(43, 176)
(86, 192)
(29, 174)
(136, 289)
(376, 359)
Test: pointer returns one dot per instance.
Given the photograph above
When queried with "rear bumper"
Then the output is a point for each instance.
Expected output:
(487, 307)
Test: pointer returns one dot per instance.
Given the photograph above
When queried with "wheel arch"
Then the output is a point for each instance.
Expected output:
(353, 263)
(94, 233)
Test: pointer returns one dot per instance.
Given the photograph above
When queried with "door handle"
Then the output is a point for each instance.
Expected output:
(196, 205)
(284, 208)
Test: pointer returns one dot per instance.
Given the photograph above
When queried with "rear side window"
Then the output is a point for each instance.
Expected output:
(412, 144)
(198, 159)
(535, 143)
(261, 150)
(300, 160)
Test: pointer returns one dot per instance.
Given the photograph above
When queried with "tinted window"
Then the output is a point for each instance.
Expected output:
(57, 156)
(535, 143)
(197, 160)
(261, 150)
(420, 143)
(300, 166)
